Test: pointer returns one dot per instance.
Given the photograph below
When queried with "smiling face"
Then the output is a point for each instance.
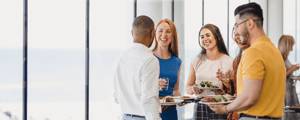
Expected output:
(238, 41)
(242, 30)
(164, 35)
(207, 38)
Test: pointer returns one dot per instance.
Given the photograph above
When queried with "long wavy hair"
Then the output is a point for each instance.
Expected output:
(285, 43)
(173, 46)
(237, 62)
(219, 40)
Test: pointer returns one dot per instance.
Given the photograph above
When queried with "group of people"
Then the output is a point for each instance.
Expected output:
(260, 78)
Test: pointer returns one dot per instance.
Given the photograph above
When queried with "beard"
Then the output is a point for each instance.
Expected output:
(245, 34)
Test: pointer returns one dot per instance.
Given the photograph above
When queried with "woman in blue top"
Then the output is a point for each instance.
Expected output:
(166, 51)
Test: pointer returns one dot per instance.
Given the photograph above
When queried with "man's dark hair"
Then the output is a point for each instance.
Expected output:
(251, 10)
(142, 25)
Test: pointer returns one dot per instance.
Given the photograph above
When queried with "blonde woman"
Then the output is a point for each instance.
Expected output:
(166, 51)
(285, 45)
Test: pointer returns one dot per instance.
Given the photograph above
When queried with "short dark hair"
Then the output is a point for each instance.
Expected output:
(251, 10)
(144, 24)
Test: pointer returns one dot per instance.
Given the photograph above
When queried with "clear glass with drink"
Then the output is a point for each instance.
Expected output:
(225, 74)
(166, 83)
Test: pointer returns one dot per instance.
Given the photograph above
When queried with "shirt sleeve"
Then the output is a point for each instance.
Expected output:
(115, 91)
(149, 89)
(253, 64)
(196, 62)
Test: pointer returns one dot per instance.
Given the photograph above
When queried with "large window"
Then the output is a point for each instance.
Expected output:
(109, 36)
(56, 58)
(56, 50)
(233, 48)
(11, 58)
(291, 27)
(56, 66)
(192, 25)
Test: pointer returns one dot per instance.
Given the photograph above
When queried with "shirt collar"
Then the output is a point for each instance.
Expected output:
(263, 38)
(141, 46)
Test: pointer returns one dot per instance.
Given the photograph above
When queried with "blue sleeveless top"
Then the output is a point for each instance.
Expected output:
(169, 69)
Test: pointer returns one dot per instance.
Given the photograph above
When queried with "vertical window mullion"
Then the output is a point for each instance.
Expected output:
(87, 61)
(296, 26)
(228, 25)
(134, 9)
(173, 10)
(202, 12)
(25, 48)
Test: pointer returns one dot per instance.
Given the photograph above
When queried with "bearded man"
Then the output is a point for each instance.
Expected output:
(261, 72)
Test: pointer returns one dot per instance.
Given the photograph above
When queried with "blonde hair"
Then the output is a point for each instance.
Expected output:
(173, 47)
(284, 45)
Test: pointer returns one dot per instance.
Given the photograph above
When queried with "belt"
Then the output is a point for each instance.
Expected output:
(260, 117)
(131, 115)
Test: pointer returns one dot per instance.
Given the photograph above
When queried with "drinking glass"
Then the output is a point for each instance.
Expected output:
(225, 76)
(166, 85)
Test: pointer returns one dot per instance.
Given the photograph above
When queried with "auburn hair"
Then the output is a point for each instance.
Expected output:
(173, 46)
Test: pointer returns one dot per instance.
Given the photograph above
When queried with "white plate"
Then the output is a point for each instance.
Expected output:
(295, 78)
(172, 103)
(291, 107)
(214, 102)
(179, 97)
(227, 96)
(214, 95)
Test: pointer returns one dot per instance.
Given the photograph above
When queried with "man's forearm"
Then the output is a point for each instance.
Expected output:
(242, 102)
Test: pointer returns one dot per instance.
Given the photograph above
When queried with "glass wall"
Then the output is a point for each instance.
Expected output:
(56, 59)
(11, 67)
(56, 56)
(192, 25)
(291, 27)
(216, 14)
(108, 38)
(289, 22)
(297, 36)
(233, 48)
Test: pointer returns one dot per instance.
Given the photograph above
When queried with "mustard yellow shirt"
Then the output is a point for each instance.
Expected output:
(264, 61)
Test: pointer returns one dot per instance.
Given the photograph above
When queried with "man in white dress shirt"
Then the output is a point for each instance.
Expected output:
(136, 73)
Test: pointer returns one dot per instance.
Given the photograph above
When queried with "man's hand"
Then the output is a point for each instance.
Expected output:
(219, 109)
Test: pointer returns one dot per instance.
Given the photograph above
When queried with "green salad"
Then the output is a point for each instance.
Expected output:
(207, 84)
(220, 99)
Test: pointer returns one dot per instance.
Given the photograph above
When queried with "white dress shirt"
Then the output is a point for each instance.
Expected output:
(136, 73)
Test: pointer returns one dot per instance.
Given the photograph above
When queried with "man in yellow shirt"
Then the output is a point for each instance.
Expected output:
(261, 72)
